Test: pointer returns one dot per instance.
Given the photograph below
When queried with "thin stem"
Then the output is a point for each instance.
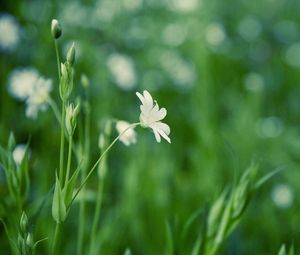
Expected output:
(99, 160)
(86, 150)
(62, 143)
(57, 58)
(55, 238)
(69, 159)
(55, 109)
(96, 215)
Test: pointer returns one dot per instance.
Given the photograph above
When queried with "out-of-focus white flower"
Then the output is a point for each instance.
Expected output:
(18, 153)
(129, 137)
(174, 34)
(9, 31)
(292, 55)
(132, 4)
(38, 99)
(269, 127)
(282, 196)
(249, 29)
(215, 34)
(185, 5)
(180, 71)
(105, 11)
(254, 82)
(123, 71)
(21, 82)
(151, 115)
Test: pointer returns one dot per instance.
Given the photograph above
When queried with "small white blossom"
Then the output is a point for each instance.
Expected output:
(215, 34)
(9, 31)
(185, 5)
(123, 71)
(282, 196)
(18, 153)
(151, 115)
(129, 137)
(38, 99)
(21, 82)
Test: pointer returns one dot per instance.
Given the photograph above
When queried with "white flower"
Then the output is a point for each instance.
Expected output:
(185, 5)
(9, 31)
(21, 82)
(129, 137)
(151, 115)
(122, 69)
(38, 99)
(18, 153)
(215, 34)
(282, 196)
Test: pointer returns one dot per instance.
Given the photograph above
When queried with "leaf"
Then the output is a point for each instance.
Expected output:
(189, 222)
(266, 177)
(292, 250)
(11, 142)
(127, 252)
(169, 240)
(24, 175)
(225, 221)
(282, 250)
(59, 211)
(69, 188)
(215, 212)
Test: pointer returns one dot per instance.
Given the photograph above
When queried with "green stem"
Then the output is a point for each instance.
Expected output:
(99, 160)
(96, 215)
(57, 58)
(69, 159)
(81, 216)
(62, 143)
(55, 238)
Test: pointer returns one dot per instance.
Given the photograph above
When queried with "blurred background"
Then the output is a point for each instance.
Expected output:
(228, 72)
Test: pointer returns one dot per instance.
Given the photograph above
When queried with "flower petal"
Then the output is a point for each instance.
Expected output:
(148, 97)
(140, 96)
(160, 114)
(157, 136)
(161, 126)
(165, 136)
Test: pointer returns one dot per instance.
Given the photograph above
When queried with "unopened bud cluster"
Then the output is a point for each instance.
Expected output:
(71, 118)
(66, 79)
(25, 238)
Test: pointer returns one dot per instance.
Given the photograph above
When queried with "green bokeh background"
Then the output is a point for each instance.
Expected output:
(220, 121)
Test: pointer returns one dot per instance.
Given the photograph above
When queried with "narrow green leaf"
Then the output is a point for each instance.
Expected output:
(292, 250)
(266, 177)
(215, 212)
(282, 250)
(189, 223)
(169, 240)
(127, 252)
(24, 175)
(68, 190)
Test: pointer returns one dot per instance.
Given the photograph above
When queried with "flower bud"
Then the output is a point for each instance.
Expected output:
(11, 142)
(59, 210)
(56, 29)
(66, 81)
(24, 223)
(71, 118)
(71, 55)
(29, 240)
